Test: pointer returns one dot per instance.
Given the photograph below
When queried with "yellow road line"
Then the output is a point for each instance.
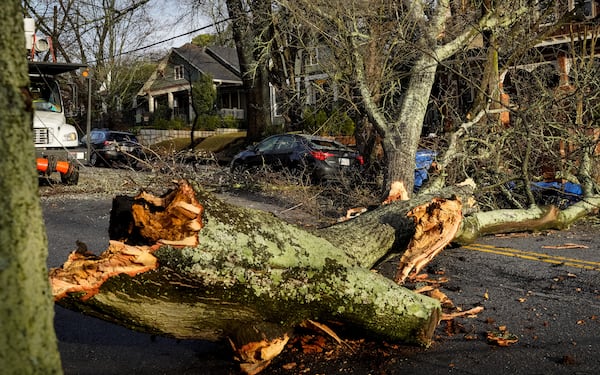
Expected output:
(531, 255)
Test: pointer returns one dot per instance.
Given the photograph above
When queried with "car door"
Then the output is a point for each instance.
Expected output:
(260, 155)
(281, 155)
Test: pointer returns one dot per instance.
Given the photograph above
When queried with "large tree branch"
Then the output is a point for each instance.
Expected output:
(191, 266)
(491, 20)
(247, 267)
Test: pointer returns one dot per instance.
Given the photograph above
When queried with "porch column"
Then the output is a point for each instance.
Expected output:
(191, 113)
(150, 103)
(170, 102)
(564, 66)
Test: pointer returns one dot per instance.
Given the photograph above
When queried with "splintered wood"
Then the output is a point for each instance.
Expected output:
(173, 219)
(436, 224)
(85, 273)
(397, 192)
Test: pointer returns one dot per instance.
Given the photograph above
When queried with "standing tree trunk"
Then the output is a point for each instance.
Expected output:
(401, 140)
(250, 27)
(28, 342)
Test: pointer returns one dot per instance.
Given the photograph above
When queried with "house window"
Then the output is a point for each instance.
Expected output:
(225, 100)
(179, 72)
(589, 8)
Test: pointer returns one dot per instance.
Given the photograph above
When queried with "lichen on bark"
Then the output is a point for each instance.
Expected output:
(249, 268)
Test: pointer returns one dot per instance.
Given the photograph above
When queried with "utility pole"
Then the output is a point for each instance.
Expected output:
(88, 122)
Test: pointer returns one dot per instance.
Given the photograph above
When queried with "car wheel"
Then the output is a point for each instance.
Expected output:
(130, 162)
(238, 168)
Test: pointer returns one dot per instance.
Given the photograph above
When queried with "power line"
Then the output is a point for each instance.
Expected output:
(169, 39)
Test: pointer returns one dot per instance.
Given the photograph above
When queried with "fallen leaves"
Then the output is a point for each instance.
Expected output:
(502, 337)
(430, 287)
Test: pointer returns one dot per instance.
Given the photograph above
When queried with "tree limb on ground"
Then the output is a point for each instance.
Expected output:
(190, 266)
(251, 277)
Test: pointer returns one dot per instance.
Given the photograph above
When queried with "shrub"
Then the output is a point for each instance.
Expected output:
(335, 123)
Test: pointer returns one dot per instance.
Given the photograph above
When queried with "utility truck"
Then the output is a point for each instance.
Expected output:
(56, 141)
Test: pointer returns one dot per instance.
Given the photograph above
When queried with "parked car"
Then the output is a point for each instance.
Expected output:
(319, 158)
(109, 147)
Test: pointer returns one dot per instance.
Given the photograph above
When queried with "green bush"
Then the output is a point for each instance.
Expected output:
(335, 123)
(174, 124)
(212, 122)
(230, 122)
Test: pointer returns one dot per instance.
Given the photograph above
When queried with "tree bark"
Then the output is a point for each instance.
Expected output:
(190, 266)
(521, 220)
(28, 343)
(193, 267)
(250, 29)
(244, 270)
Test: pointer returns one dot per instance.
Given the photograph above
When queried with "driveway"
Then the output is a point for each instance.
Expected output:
(549, 302)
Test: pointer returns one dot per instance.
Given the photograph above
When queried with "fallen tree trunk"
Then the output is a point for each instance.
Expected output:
(188, 265)
(520, 220)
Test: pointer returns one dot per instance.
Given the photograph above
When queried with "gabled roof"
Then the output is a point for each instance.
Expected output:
(221, 63)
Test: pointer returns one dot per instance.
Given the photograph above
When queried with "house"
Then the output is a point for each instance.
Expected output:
(167, 92)
(571, 29)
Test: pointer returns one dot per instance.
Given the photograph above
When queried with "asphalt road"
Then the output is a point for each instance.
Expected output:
(536, 287)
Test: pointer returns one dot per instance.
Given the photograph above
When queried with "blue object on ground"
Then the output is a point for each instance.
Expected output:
(424, 159)
(564, 190)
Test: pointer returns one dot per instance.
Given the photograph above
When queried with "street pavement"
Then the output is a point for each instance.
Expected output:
(543, 289)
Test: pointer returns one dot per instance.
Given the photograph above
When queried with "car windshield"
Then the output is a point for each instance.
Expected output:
(97, 137)
(45, 95)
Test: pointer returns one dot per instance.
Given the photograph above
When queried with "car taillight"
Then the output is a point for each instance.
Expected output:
(360, 159)
(320, 155)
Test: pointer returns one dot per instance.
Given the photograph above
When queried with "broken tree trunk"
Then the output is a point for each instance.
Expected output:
(188, 265)
(521, 220)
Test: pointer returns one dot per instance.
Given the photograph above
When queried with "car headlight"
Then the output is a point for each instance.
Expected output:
(70, 136)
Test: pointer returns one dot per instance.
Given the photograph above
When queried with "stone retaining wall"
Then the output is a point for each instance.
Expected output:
(152, 136)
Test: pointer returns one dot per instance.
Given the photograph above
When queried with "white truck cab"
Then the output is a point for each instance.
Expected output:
(52, 134)
(56, 142)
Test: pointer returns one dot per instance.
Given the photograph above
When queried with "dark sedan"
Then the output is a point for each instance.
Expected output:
(321, 159)
(110, 147)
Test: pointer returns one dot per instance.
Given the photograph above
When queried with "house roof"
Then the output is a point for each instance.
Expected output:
(221, 63)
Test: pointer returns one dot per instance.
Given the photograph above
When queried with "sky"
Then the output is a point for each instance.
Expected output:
(180, 20)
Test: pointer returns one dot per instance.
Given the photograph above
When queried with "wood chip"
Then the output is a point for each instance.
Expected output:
(566, 246)
(469, 313)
